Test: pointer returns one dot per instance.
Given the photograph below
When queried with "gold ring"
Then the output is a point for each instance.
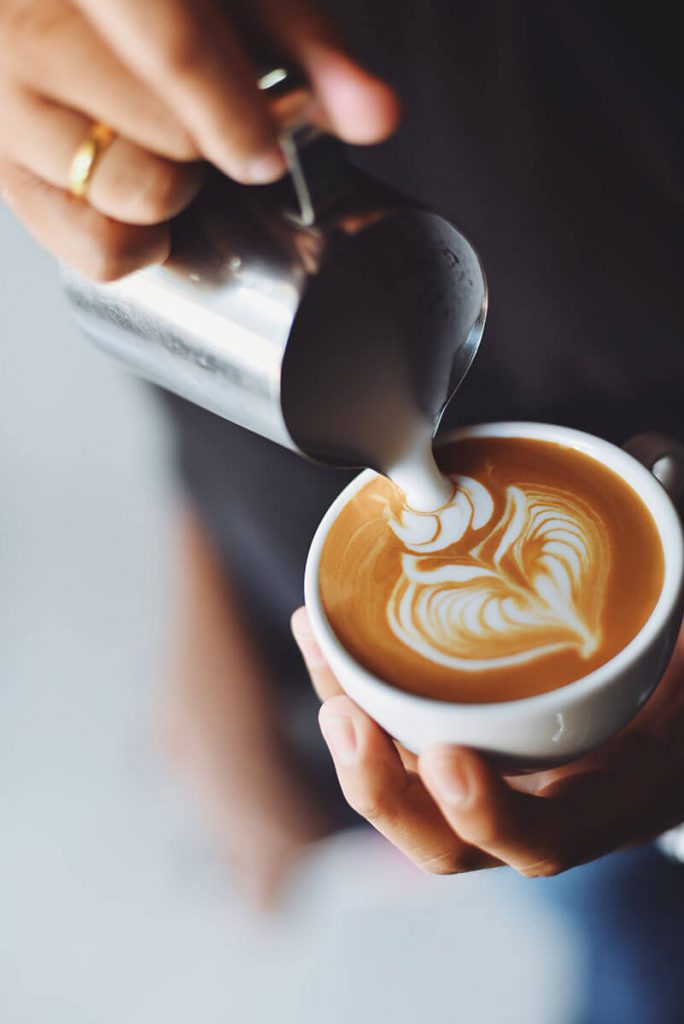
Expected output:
(85, 159)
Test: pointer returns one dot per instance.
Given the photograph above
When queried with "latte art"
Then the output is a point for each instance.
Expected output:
(541, 567)
(530, 584)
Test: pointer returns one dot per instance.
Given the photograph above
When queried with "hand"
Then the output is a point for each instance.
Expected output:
(450, 811)
(172, 79)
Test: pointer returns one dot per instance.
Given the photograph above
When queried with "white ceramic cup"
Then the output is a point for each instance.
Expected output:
(560, 725)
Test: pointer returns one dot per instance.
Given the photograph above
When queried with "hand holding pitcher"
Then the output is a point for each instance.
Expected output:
(120, 102)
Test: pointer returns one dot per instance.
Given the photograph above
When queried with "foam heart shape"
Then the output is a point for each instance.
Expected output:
(480, 590)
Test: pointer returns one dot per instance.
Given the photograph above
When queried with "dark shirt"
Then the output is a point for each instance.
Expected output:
(550, 134)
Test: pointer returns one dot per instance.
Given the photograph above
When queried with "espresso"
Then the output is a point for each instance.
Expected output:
(542, 566)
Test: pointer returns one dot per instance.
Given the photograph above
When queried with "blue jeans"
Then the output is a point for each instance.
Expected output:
(628, 911)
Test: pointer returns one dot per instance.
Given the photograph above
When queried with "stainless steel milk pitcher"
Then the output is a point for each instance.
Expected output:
(324, 312)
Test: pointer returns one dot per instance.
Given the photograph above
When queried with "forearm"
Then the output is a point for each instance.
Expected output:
(209, 635)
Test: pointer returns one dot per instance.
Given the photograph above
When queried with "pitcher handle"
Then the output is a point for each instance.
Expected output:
(320, 174)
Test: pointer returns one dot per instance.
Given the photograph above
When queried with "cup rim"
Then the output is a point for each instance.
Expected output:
(629, 469)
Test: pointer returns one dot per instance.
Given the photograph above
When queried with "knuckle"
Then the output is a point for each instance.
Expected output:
(142, 188)
(452, 860)
(368, 807)
(549, 866)
(487, 826)
(488, 832)
(109, 252)
(181, 46)
(24, 22)
(161, 190)
(371, 803)
(158, 128)
(445, 862)
(182, 146)
(101, 265)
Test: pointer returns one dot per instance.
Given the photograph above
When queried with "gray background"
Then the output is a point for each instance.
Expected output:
(112, 908)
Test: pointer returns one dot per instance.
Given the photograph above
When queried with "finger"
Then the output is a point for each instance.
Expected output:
(54, 51)
(322, 677)
(617, 796)
(128, 183)
(73, 231)
(190, 56)
(377, 786)
(358, 106)
(324, 682)
(574, 819)
(536, 835)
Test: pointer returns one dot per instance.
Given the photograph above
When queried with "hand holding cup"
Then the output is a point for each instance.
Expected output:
(451, 808)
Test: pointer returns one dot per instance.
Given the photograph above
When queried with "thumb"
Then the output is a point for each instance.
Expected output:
(357, 106)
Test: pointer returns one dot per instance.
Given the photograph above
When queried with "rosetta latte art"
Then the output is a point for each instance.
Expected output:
(531, 585)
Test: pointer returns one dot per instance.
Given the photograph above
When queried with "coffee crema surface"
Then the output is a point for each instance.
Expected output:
(542, 567)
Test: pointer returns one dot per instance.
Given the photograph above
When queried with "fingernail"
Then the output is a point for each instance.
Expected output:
(340, 735)
(450, 780)
(268, 167)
